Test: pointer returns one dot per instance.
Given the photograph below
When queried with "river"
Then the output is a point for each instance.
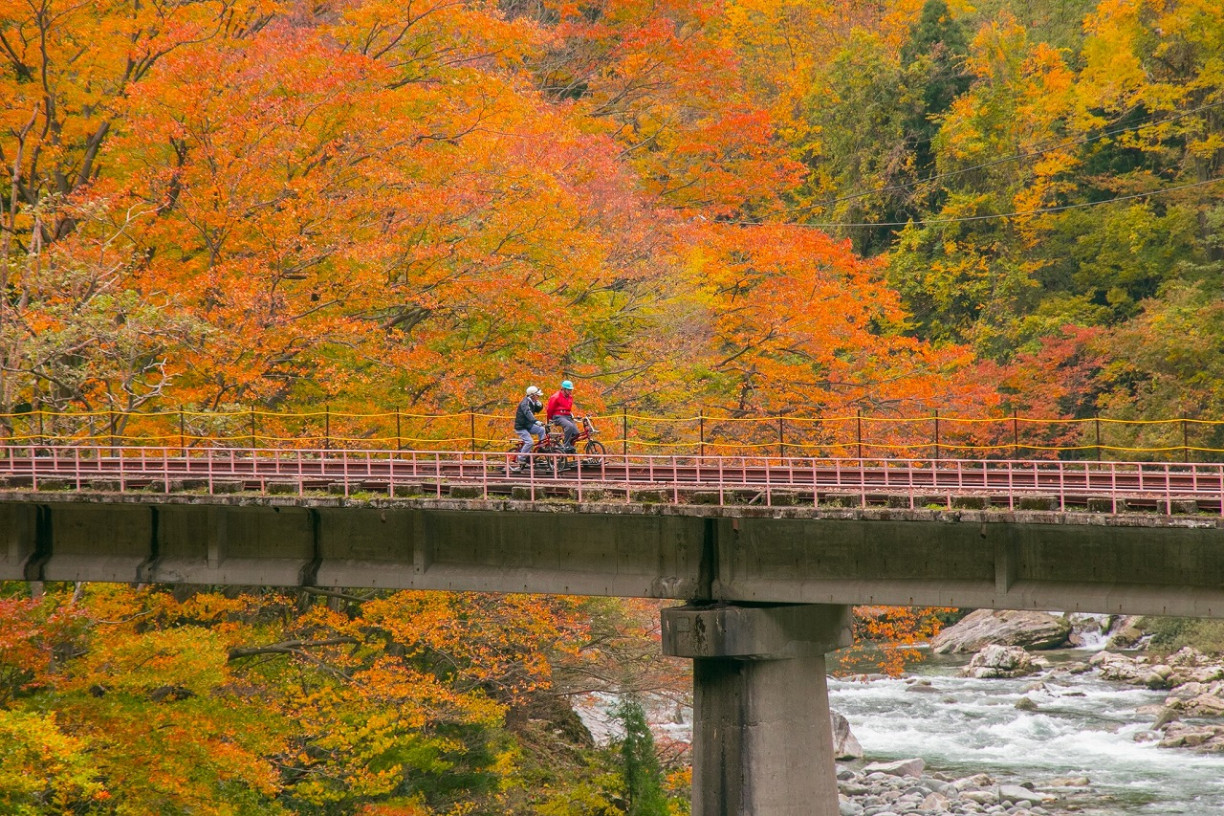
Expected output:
(1083, 727)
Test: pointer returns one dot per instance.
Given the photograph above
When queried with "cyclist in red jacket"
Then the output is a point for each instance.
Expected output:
(560, 409)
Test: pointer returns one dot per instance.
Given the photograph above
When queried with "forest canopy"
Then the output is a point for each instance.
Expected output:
(759, 208)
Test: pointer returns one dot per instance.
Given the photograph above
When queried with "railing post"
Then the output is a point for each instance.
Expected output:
(182, 432)
(472, 426)
(858, 416)
(253, 433)
(326, 427)
(781, 437)
(1015, 435)
(1185, 441)
(936, 434)
(1097, 422)
(399, 433)
(110, 412)
(701, 432)
(624, 432)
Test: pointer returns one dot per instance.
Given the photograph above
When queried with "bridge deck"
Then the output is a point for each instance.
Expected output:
(1134, 562)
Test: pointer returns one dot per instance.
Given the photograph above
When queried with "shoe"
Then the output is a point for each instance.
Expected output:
(570, 449)
(515, 468)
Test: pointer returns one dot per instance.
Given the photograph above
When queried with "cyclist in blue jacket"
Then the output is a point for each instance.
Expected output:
(526, 425)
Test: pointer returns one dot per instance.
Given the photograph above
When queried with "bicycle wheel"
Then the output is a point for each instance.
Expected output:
(595, 448)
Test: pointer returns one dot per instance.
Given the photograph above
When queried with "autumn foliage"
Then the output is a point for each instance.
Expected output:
(135, 701)
(738, 208)
(267, 204)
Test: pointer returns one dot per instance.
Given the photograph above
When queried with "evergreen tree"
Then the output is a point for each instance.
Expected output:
(643, 775)
(935, 59)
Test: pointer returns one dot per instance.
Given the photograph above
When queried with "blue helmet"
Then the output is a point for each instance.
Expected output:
(567, 385)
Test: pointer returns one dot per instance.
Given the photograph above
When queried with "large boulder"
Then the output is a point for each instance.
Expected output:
(845, 745)
(1000, 661)
(1137, 671)
(1124, 632)
(1197, 699)
(1007, 627)
(1192, 666)
(1204, 738)
(899, 767)
(1023, 796)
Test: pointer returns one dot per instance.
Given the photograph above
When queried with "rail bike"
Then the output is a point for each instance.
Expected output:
(552, 456)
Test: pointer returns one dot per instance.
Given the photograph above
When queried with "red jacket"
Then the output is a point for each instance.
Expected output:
(560, 404)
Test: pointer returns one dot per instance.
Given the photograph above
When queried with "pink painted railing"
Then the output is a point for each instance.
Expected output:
(1109, 487)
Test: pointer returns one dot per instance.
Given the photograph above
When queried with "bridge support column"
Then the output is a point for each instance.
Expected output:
(762, 738)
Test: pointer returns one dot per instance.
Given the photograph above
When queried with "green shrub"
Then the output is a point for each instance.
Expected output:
(1171, 634)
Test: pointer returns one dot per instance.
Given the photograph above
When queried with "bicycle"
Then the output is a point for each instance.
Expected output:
(545, 455)
(553, 455)
(592, 446)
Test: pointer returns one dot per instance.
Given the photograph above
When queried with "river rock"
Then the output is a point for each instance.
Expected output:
(900, 767)
(1205, 738)
(934, 803)
(1184, 668)
(1124, 669)
(1124, 632)
(1167, 715)
(1195, 699)
(863, 793)
(1000, 661)
(845, 745)
(1022, 795)
(1190, 665)
(1007, 627)
(971, 782)
(848, 807)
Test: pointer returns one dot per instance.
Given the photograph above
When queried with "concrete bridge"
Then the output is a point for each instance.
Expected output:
(767, 585)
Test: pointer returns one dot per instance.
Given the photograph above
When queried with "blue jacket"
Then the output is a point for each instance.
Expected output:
(524, 418)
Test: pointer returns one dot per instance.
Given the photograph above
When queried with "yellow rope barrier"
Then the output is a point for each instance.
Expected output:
(399, 429)
(246, 413)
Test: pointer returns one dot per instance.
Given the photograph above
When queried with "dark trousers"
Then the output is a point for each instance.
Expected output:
(568, 426)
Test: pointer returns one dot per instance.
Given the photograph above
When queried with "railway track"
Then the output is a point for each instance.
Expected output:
(1100, 486)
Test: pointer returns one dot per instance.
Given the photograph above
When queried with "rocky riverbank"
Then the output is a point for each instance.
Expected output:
(1192, 715)
(902, 788)
(1193, 712)
(1188, 721)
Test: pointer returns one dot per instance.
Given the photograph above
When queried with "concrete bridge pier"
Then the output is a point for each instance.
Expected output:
(762, 738)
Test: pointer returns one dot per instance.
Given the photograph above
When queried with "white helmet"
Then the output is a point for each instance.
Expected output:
(532, 391)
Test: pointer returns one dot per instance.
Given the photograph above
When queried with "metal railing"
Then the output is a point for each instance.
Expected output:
(1004, 484)
(934, 436)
